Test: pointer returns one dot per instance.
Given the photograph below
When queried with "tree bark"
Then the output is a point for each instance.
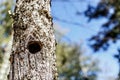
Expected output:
(33, 50)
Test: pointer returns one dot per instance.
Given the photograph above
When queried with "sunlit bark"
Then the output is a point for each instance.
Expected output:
(33, 49)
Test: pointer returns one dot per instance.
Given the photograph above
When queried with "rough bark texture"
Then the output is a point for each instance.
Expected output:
(33, 49)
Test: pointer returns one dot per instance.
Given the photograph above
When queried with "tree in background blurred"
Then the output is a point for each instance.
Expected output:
(5, 26)
(5, 21)
(72, 64)
(110, 30)
(5, 37)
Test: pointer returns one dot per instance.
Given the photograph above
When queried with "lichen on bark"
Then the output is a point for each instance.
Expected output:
(33, 50)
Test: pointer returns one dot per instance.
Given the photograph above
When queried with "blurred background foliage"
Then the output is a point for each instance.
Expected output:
(5, 27)
(110, 30)
(72, 63)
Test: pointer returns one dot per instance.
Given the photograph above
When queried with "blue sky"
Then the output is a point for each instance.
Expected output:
(81, 33)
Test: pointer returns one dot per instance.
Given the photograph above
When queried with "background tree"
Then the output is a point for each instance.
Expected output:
(5, 25)
(110, 30)
(73, 64)
(5, 37)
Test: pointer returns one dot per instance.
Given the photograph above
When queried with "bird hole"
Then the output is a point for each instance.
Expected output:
(34, 46)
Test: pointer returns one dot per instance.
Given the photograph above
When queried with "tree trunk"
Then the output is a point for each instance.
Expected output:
(33, 49)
